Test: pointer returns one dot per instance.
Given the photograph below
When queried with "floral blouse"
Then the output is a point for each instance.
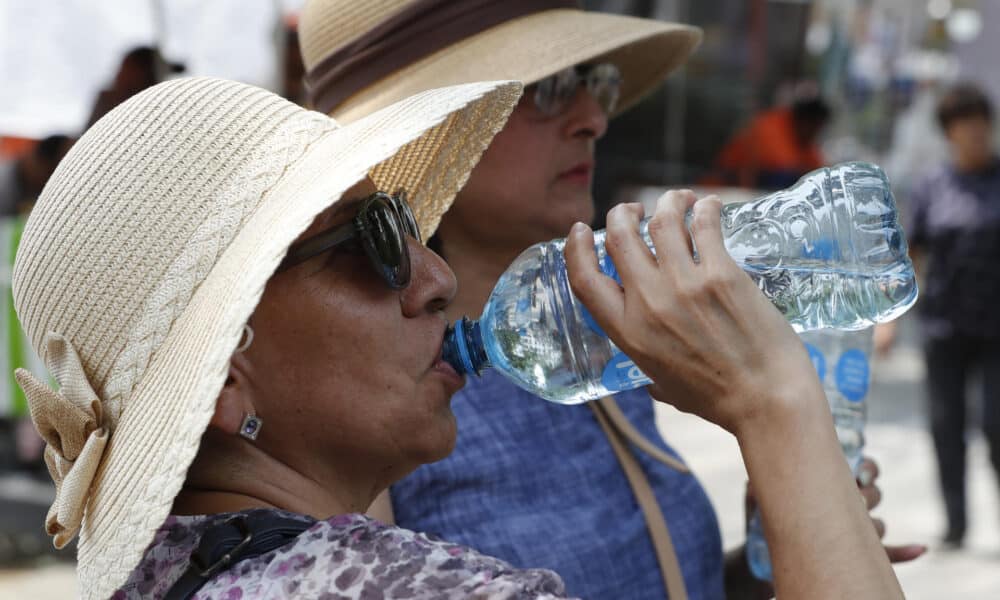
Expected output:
(346, 556)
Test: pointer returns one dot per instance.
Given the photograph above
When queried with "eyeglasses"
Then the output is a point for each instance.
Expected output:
(380, 226)
(554, 93)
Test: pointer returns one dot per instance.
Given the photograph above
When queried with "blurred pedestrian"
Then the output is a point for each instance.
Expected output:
(140, 68)
(22, 179)
(954, 232)
(25, 488)
(776, 148)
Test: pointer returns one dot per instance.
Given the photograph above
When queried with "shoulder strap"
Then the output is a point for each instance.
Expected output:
(655, 523)
(228, 542)
(622, 425)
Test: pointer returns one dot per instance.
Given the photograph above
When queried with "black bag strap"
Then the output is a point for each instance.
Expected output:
(226, 543)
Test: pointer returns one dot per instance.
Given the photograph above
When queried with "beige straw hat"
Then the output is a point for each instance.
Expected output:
(149, 249)
(362, 56)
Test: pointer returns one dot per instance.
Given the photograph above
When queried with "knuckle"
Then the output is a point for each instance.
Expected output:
(582, 283)
(617, 213)
(700, 221)
(687, 194)
(678, 202)
(689, 289)
(657, 224)
(716, 282)
(705, 214)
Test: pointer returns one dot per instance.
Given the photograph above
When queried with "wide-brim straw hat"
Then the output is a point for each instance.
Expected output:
(149, 249)
(525, 48)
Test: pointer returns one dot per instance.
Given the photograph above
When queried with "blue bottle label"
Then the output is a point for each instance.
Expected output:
(818, 360)
(621, 374)
(853, 375)
(823, 249)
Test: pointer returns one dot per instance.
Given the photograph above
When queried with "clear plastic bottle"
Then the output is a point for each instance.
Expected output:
(828, 252)
(841, 359)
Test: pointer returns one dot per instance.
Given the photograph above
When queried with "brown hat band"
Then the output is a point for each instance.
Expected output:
(420, 29)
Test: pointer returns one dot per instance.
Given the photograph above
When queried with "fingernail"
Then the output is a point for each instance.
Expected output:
(577, 228)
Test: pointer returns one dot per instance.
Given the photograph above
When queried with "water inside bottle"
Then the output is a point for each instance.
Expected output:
(829, 253)
(539, 335)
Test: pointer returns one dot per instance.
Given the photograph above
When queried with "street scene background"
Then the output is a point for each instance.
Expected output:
(878, 66)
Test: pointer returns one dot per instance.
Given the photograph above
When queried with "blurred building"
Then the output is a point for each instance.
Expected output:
(871, 59)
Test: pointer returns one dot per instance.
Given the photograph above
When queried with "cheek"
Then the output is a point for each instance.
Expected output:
(514, 175)
(342, 331)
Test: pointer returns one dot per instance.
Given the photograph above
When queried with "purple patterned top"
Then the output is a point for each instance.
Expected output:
(346, 556)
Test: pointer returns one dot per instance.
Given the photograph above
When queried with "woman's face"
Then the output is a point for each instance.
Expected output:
(346, 372)
(971, 140)
(534, 180)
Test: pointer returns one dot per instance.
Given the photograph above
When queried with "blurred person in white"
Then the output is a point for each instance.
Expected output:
(954, 234)
(21, 181)
(538, 484)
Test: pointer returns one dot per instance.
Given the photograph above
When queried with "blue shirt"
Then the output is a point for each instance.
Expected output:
(955, 219)
(538, 485)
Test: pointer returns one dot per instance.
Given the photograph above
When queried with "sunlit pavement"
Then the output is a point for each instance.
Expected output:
(898, 440)
(49, 582)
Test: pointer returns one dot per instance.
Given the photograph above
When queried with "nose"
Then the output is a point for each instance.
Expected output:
(432, 282)
(585, 118)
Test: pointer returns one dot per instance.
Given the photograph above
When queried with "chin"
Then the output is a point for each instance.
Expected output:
(437, 441)
(559, 227)
(574, 207)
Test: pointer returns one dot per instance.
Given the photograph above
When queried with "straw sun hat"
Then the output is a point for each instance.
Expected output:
(362, 56)
(148, 251)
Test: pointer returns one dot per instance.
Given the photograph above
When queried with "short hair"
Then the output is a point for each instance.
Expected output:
(52, 149)
(813, 109)
(962, 101)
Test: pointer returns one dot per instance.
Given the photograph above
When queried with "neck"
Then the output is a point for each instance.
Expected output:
(230, 474)
(477, 269)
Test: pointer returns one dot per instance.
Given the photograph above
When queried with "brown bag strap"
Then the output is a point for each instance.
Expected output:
(655, 523)
(622, 425)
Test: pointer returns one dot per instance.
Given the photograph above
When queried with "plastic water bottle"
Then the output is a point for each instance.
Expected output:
(841, 359)
(828, 252)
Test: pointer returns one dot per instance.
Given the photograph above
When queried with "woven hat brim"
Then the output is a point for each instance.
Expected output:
(533, 47)
(426, 144)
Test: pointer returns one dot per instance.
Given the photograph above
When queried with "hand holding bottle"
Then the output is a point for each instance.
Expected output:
(715, 346)
(702, 331)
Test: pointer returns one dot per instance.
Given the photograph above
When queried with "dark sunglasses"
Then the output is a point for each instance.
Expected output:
(380, 226)
(553, 94)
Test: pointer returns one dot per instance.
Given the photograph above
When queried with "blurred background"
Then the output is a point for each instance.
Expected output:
(776, 88)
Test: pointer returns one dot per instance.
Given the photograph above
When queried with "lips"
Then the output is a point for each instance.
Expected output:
(442, 367)
(580, 172)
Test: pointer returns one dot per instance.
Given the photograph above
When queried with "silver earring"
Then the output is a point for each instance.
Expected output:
(245, 340)
(250, 427)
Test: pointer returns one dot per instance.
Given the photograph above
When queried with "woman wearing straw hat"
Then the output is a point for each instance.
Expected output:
(247, 338)
(146, 255)
(535, 483)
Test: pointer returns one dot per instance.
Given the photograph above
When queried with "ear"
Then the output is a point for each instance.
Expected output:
(235, 400)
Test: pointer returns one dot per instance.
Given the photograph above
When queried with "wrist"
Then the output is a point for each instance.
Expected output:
(790, 408)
